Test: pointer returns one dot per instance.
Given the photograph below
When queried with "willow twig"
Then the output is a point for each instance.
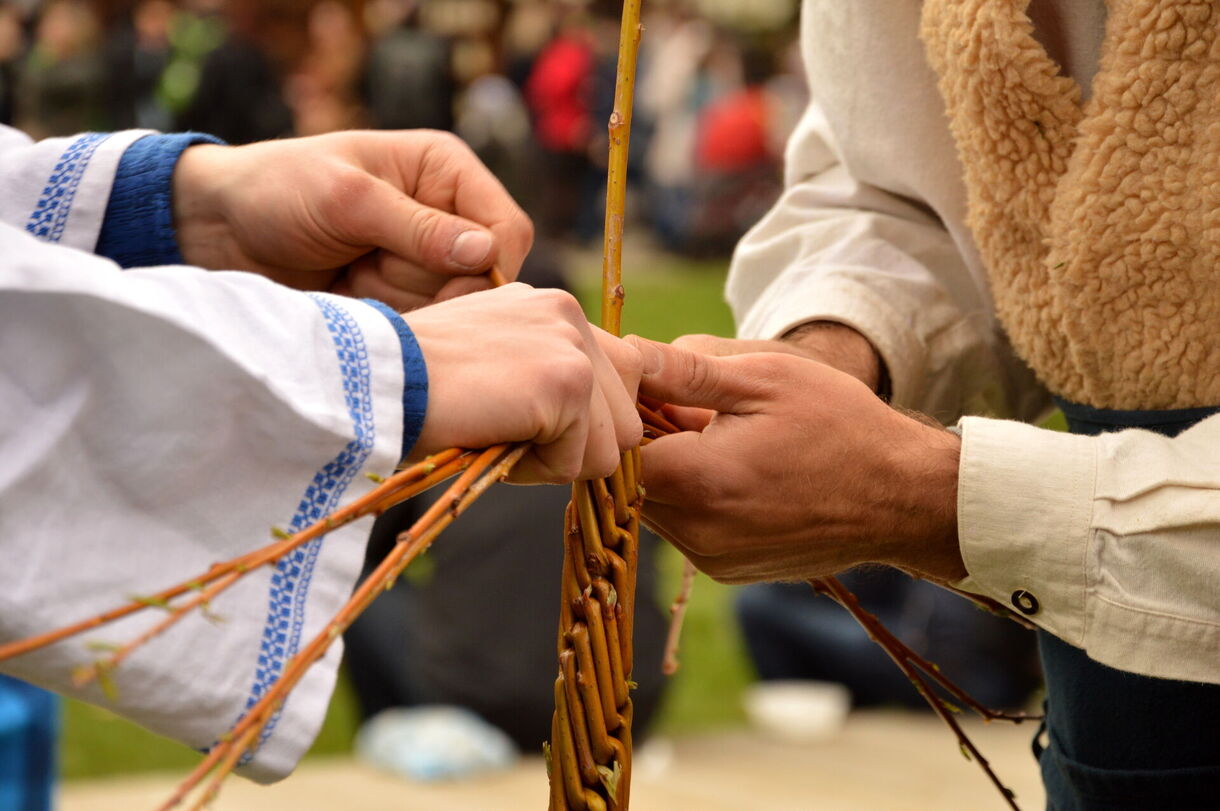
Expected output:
(395, 489)
(901, 652)
(911, 663)
(490, 466)
(677, 611)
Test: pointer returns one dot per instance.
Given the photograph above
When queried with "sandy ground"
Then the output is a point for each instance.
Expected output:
(881, 760)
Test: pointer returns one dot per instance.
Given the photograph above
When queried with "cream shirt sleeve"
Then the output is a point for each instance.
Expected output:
(1114, 540)
(859, 234)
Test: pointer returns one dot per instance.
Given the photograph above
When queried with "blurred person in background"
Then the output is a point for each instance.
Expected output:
(558, 92)
(240, 94)
(138, 52)
(792, 633)
(528, 27)
(12, 47)
(62, 80)
(737, 171)
(669, 99)
(323, 89)
(408, 80)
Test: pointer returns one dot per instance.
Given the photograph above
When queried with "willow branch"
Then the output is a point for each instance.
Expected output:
(395, 489)
(677, 611)
(901, 653)
(490, 466)
(619, 129)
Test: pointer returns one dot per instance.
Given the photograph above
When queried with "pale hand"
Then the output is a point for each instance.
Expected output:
(801, 472)
(407, 217)
(517, 364)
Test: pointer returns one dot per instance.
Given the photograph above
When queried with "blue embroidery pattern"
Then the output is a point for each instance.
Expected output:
(290, 581)
(50, 215)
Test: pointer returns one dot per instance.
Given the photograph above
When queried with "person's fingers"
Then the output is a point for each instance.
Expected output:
(602, 451)
(364, 279)
(624, 356)
(460, 286)
(381, 216)
(439, 170)
(700, 537)
(680, 470)
(688, 418)
(617, 366)
(560, 459)
(690, 379)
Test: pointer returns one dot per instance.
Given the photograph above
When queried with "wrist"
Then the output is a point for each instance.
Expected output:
(842, 347)
(926, 538)
(200, 180)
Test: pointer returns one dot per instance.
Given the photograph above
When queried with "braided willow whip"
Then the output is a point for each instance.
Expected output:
(589, 755)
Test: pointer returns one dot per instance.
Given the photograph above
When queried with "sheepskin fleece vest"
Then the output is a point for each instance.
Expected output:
(1099, 222)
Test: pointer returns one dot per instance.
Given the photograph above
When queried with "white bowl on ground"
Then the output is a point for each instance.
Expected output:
(801, 712)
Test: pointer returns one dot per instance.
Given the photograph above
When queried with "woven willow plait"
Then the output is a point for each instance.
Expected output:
(589, 756)
(590, 753)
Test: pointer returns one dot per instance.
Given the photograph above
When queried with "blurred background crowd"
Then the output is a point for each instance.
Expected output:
(527, 83)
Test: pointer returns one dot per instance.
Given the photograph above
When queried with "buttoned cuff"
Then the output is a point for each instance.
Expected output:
(844, 301)
(138, 229)
(1024, 516)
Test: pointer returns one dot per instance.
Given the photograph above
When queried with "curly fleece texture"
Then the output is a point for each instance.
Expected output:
(1099, 223)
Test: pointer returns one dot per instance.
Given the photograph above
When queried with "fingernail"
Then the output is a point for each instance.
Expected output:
(470, 249)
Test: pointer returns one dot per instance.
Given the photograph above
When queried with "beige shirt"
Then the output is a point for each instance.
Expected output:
(1117, 537)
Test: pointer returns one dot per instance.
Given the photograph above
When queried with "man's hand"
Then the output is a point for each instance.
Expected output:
(413, 216)
(517, 364)
(801, 472)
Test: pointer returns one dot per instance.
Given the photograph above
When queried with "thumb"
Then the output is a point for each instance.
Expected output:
(684, 378)
(428, 237)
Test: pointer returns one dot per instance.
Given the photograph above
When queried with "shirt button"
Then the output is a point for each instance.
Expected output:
(1025, 602)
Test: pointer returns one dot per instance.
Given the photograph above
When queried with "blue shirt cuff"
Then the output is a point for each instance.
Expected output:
(414, 378)
(138, 230)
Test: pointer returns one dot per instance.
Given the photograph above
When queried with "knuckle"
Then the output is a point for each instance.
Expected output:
(559, 304)
(573, 377)
(630, 437)
(347, 187)
(563, 469)
(602, 465)
(523, 228)
(696, 342)
(699, 374)
(424, 224)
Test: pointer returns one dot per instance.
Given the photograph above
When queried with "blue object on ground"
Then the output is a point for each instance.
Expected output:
(29, 719)
(437, 742)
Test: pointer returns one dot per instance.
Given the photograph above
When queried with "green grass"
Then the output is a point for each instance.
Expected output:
(666, 298)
